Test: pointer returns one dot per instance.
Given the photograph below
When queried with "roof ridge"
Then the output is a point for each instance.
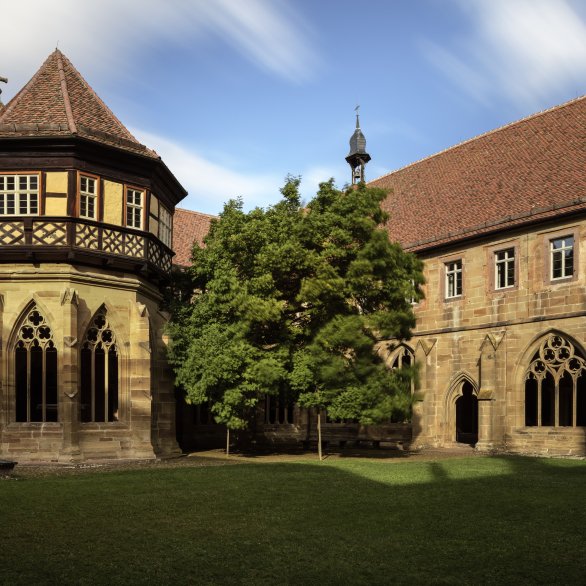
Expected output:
(196, 212)
(97, 97)
(65, 93)
(479, 136)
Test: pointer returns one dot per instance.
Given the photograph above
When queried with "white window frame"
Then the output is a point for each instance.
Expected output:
(88, 197)
(165, 226)
(23, 198)
(453, 279)
(503, 266)
(566, 245)
(136, 217)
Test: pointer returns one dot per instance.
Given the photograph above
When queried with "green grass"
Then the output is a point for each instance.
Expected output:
(344, 521)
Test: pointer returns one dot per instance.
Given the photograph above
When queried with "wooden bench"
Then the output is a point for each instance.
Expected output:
(6, 467)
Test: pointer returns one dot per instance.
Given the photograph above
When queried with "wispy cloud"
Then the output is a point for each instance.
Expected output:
(105, 36)
(210, 184)
(519, 49)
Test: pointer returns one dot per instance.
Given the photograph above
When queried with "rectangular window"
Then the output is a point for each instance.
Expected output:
(134, 208)
(504, 266)
(88, 192)
(19, 195)
(165, 227)
(562, 257)
(453, 279)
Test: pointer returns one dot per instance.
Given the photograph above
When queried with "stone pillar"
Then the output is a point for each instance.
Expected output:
(139, 373)
(67, 362)
(423, 410)
(163, 430)
(486, 395)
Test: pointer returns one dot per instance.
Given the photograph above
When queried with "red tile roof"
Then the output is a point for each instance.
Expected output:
(57, 101)
(188, 227)
(524, 172)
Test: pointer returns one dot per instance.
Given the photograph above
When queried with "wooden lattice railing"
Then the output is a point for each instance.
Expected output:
(30, 234)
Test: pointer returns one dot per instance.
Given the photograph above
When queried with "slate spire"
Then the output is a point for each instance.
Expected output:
(358, 157)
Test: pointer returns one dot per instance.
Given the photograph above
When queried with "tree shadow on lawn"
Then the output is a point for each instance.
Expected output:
(497, 520)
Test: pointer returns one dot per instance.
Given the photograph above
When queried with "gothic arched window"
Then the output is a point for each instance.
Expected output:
(555, 385)
(99, 372)
(403, 357)
(35, 368)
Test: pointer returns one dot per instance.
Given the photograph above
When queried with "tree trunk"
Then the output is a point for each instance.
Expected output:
(227, 441)
(319, 450)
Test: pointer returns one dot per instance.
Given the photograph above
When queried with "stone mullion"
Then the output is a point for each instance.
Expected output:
(556, 398)
(28, 384)
(44, 385)
(539, 381)
(574, 399)
(68, 396)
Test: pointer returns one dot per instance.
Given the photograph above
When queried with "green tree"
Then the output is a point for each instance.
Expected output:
(291, 300)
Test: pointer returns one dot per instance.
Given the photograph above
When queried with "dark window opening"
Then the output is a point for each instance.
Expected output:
(467, 416)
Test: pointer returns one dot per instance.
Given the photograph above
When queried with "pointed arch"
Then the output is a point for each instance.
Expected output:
(461, 408)
(398, 355)
(99, 370)
(554, 381)
(33, 357)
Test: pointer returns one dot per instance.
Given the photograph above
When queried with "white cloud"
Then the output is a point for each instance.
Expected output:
(103, 36)
(521, 49)
(210, 184)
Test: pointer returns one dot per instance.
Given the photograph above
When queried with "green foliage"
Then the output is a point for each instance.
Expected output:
(291, 300)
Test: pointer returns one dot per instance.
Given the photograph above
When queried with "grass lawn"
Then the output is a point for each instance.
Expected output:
(344, 521)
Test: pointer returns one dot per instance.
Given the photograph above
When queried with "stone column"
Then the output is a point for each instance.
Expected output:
(139, 374)
(423, 414)
(486, 395)
(68, 377)
(164, 435)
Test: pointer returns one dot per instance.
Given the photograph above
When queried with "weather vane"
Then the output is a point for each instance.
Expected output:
(4, 80)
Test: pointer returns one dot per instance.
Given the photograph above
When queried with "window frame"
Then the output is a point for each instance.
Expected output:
(17, 194)
(168, 226)
(448, 273)
(553, 252)
(504, 265)
(548, 239)
(142, 206)
(96, 196)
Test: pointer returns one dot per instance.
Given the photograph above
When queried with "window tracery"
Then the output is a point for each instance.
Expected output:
(35, 360)
(555, 388)
(99, 372)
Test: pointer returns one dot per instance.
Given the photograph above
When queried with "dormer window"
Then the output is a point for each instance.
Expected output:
(88, 197)
(19, 195)
(134, 208)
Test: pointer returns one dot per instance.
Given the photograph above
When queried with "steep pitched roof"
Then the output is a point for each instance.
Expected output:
(57, 101)
(188, 227)
(524, 172)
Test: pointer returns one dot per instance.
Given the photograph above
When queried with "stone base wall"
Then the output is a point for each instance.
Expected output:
(68, 300)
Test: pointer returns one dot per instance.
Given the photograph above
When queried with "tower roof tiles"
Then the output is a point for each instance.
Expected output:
(57, 101)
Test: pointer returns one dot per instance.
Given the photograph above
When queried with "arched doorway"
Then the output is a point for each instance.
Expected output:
(467, 415)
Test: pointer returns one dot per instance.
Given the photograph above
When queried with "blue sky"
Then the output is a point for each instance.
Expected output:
(236, 94)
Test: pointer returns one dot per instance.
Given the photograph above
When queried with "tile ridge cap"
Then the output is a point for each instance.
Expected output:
(65, 93)
(102, 103)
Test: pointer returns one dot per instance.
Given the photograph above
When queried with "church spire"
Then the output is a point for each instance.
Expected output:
(358, 157)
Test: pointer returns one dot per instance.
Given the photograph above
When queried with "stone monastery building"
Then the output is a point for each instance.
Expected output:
(88, 229)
